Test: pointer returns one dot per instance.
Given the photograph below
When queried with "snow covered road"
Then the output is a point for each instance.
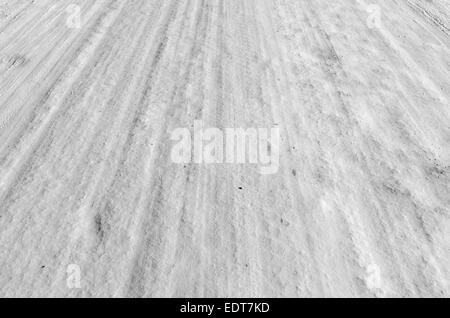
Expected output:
(92, 205)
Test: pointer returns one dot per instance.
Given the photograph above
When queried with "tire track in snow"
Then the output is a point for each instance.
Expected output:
(53, 98)
(359, 206)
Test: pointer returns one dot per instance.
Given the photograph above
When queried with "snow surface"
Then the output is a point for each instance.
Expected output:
(360, 206)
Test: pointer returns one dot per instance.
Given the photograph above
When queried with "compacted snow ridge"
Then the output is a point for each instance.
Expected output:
(93, 202)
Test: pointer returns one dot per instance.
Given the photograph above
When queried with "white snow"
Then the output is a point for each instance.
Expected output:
(91, 204)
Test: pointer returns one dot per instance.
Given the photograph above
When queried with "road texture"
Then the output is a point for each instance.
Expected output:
(359, 207)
